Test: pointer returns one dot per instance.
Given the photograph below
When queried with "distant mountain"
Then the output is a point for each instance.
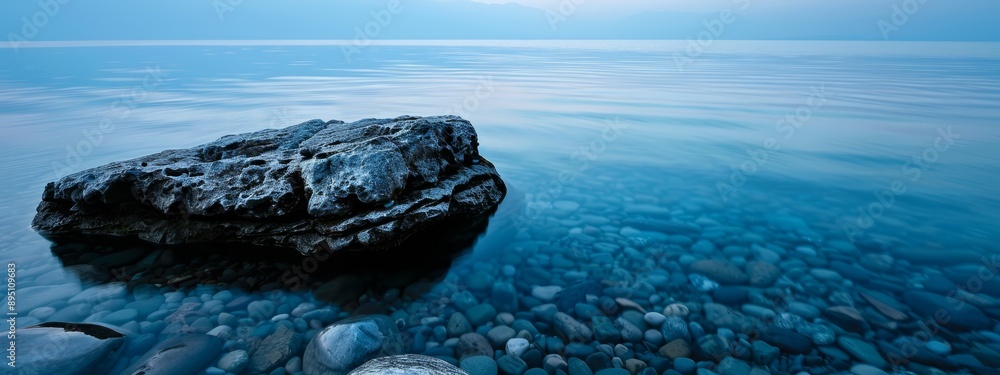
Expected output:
(462, 19)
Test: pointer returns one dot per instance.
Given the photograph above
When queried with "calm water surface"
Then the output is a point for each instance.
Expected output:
(627, 161)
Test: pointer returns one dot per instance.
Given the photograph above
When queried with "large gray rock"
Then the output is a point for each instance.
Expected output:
(310, 186)
(184, 354)
(407, 364)
(66, 348)
(349, 343)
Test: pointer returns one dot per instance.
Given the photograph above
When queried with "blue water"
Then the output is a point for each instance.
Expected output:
(783, 144)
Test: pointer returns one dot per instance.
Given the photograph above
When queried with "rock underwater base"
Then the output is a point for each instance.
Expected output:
(317, 185)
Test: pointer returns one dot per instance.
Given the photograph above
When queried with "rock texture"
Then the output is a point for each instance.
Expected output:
(407, 364)
(315, 185)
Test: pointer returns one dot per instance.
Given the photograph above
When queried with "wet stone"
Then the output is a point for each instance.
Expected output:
(714, 347)
(786, 340)
(862, 351)
(570, 328)
(674, 328)
(499, 336)
(676, 349)
(473, 344)
(458, 325)
(721, 271)
(604, 330)
(732, 366)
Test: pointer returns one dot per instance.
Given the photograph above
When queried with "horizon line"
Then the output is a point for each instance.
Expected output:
(386, 42)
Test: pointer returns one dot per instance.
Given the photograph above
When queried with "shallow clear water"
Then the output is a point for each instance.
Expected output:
(626, 161)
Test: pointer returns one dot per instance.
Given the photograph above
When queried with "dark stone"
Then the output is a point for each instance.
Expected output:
(937, 257)
(504, 297)
(598, 361)
(473, 344)
(714, 347)
(853, 272)
(957, 316)
(786, 340)
(939, 284)
(730, 295)
(862, 351)
(533, 357)
(604, 330)
(313, 186)
(576, 293)
(847, 318)
(916, 351)
(723, 271)
(509, 364)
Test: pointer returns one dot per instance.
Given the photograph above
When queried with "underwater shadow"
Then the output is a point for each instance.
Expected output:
(339, 277)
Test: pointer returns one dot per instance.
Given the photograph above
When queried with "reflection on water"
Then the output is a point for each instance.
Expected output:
(874, 161)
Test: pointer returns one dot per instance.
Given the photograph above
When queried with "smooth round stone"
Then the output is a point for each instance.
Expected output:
(703, 247)
(675, 309)
(546, 293)
(864, 369)
(568, 206)
(758, 312)
(261, 310)
(806, 251)
(508, 270)
(578, 367)
(505, 318)
(42, 312)
(629, 331)
(653, 336)
(112, 305)
(224, 296)
(279, 317)
(479, 365)
(553, 362)
(100, 293)
(806, 311)
(234, 362)
(654, 319)
(512, 365)
(500, 335)
(579, 350)
(120, 317)
(228, 320)
(727, 333)
(516, 346)
(481, 314)
(294, 365)
(684, 365)
(863, 351)
(826, 275)
(938, 348)
(302, 309)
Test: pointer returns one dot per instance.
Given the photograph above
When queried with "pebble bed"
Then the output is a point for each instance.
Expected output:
(621, 284)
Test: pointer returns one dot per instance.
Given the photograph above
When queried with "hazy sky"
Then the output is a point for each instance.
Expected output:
(499, 19)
